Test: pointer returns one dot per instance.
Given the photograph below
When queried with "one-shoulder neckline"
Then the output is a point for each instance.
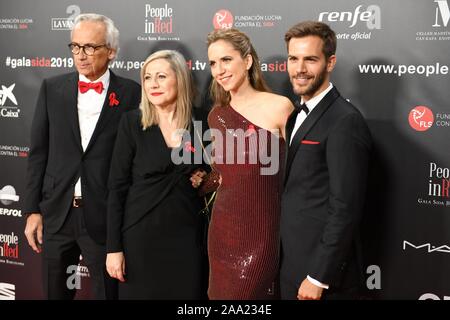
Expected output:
(253, 124)
(246, 119)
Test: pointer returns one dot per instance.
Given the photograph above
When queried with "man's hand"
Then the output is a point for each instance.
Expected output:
(33, 231)
(115, 265)
(309, 291)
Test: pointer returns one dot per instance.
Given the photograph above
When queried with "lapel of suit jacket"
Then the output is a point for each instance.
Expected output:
(70, 96)
(289, 127)
(107, 110)
(307, 125)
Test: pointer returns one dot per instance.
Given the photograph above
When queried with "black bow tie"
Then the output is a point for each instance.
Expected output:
(299, 107)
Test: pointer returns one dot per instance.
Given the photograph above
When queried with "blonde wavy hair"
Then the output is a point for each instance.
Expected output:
(185, 90)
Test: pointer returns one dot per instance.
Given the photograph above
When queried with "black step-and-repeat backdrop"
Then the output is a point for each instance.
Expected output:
(393, 64)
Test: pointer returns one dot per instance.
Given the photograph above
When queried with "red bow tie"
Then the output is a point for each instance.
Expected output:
(85, 86)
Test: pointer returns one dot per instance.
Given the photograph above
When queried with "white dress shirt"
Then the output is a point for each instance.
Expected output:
(301, 116)
(90, 105)
(311, 104)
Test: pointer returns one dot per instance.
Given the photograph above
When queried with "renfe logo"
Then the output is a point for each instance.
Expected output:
(444, 12)
(372, 16)
(421, 118)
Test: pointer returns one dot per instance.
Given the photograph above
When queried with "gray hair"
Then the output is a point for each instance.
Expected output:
(112, 34)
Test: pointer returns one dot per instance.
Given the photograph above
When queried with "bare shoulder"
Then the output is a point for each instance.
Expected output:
(275, 102)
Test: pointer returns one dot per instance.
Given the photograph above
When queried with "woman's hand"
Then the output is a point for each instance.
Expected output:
(197, 177)
(115, 265)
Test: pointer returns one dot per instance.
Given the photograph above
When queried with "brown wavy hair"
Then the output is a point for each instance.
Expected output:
(314, 28)
(240, 42)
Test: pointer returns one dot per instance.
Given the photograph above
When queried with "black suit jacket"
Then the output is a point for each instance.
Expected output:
(324, 191)
(142, 173)
(56, 158)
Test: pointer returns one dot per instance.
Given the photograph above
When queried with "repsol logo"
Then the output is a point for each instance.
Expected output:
(10, 212)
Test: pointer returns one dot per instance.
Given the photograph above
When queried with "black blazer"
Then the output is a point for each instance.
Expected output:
(324, 191)
(56, 158)
(142, 172)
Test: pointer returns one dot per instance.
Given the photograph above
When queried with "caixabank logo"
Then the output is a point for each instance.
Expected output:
(438, 23)
(8, 102)
(159, 23)
(8, 198)
(361, 21)
(224, 19)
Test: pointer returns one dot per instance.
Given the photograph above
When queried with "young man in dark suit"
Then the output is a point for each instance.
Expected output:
(72, 138)
(326, 175)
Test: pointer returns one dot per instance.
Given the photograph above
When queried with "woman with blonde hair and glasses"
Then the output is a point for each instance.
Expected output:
(243, 243)
(154, 226)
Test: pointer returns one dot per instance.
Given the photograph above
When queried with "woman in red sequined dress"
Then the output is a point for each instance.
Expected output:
(248, 151)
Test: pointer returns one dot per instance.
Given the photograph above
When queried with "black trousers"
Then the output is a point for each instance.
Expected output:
(61, 255)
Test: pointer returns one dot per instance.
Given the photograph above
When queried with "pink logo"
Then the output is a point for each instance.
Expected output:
(188, 147)
(251, 130)
(421, 118)
(223, 19)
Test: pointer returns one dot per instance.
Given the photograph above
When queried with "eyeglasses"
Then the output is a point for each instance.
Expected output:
(87, 49)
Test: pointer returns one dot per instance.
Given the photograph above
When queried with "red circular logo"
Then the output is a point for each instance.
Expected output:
(421, 118)
(223, 19)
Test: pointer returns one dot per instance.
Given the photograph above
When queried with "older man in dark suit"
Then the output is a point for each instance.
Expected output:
(72, 138)
(325, 179)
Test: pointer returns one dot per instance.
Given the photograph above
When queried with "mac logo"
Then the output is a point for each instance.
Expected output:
(428, 247)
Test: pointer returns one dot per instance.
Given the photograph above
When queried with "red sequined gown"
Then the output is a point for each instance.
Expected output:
(243, 241)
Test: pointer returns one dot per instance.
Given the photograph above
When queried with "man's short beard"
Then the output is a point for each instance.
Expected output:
(312, 89)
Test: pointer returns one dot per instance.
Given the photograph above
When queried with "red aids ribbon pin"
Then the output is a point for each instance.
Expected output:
(112, 100)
